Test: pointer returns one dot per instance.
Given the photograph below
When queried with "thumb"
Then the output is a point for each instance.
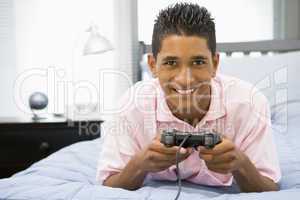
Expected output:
(183, 150)
(158, 135)
(200, 148)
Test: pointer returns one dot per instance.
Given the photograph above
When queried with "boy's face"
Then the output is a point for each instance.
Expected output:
(184, 67)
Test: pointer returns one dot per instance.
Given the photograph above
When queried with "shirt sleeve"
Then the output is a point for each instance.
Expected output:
(118, 147)
(259, 143)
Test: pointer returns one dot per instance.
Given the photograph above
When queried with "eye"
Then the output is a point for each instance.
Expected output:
(198, 62)
(171, 63)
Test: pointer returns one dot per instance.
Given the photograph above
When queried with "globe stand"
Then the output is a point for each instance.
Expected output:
(36, 117)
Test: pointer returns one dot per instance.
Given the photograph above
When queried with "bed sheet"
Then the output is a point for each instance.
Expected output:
(70, 174)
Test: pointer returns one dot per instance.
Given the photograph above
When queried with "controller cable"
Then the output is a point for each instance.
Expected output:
(177, 165)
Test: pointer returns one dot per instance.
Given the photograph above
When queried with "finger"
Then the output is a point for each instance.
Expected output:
(185, 155)
(224, 137)
(159, 147)
(158, 136)
(228, 167)
(190, 150)
(159, 166)
(224, 146)
(221, 171)
(206, 157)
(159, 157)
(204, 150)
(223, 158)
(217, 159)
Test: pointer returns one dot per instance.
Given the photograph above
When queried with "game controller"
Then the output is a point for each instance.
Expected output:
(208, 139)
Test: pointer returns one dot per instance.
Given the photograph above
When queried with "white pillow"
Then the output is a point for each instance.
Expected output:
(277, 76)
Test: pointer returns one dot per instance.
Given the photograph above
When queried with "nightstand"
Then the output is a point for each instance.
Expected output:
(23, 141)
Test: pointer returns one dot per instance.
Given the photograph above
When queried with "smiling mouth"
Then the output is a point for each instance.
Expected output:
(185, 92)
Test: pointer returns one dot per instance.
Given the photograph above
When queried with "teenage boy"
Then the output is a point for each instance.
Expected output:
(189, 95)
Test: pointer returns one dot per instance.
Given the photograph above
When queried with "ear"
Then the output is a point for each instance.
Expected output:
(216, 60)
(152, 64)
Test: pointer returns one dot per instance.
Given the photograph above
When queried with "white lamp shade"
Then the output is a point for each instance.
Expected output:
(96, 43)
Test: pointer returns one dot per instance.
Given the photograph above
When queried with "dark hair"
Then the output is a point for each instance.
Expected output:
(184, 19)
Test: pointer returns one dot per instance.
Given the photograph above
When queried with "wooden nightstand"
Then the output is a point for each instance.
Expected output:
(23, 141)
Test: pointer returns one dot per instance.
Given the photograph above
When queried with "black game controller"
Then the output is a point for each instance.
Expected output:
(207, 139)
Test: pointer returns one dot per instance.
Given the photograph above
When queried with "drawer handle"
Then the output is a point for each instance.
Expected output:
(45, 147)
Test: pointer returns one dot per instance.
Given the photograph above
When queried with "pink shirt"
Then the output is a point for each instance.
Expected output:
(237, 110)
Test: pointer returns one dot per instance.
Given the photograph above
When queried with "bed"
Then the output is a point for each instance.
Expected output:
(70, 173)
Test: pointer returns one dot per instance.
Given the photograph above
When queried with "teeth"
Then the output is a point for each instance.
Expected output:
(189, 91)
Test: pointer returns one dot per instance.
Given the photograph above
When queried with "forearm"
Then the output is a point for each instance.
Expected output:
(250, 180)
(130, 178)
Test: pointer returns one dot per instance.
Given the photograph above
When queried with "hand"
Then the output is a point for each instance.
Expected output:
(157, 157)
(224, 158)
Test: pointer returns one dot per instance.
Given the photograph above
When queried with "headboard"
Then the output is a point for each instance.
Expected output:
(264, 47)
(276, 75)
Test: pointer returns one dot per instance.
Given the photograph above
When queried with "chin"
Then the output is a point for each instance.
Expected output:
(182, 107)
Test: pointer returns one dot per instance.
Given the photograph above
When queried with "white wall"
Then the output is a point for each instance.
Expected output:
(7, 58)
(236, 20)
(49, 39)
(126, 57)
(286, 20)
(51, 33)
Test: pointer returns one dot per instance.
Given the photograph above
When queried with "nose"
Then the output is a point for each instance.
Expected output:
(185, 78)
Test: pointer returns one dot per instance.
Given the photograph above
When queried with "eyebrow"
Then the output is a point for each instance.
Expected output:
(170, 58)
(197, 57)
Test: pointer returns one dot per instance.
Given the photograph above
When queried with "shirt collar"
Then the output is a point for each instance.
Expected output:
(216, 108)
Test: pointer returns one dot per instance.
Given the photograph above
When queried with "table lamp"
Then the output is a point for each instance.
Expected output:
(96, 43)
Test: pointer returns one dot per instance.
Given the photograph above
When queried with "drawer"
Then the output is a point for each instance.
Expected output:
(23, 146)
(6, 170)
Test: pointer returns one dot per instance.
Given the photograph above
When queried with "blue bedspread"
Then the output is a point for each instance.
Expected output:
(70, 174)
